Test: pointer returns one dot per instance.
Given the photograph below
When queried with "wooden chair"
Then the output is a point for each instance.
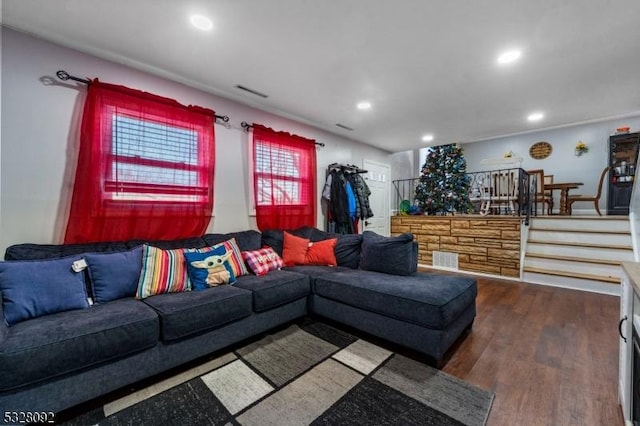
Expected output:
(542, 196)
(504, 190)
(595, 199)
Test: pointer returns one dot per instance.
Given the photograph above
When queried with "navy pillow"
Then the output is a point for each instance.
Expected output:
(198, 276)
(114, 275)
(34, 288)
(391, 255)
(348, 250)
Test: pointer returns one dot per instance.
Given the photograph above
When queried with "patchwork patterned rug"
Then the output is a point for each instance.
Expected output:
(309, 373)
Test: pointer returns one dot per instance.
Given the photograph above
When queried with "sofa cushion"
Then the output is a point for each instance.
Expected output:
(314, 271)
(275, 288)
(426, 299)
(184, 314)
(61, 343)
(391, 255)
(114, 275)
(209, 269)
(246, 240)
(32, 288)
(51, 251)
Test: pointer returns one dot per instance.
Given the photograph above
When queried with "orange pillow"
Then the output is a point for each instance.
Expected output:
(322, 253)
(294, 250)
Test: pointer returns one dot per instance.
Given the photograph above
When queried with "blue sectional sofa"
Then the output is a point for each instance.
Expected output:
(59, 360)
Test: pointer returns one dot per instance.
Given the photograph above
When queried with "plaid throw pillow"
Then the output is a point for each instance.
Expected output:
(263, 260)
(235, 261)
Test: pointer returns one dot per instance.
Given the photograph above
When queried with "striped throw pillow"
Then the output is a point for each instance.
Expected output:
(235, 261)
(163, 271)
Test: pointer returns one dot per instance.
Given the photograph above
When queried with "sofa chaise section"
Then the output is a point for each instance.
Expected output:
(425, 312)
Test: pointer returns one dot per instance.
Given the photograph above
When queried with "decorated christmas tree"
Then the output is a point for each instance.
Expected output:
(444, 184)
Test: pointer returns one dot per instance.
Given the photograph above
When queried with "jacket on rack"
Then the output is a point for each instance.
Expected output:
(362, 193)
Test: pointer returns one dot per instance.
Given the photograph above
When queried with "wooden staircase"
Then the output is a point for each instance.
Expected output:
(581, 252)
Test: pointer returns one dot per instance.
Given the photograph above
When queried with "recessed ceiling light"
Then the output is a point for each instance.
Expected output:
(509, 57)
(535, 116)
(427, 138)
(364, 105)
(201, 22)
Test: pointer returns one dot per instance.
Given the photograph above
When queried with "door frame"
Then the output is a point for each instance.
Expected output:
(388, 190)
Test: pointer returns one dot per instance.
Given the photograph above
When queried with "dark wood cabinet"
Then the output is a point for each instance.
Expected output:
(623, 155)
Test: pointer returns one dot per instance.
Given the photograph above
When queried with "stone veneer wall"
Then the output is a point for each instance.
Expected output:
(484, 244)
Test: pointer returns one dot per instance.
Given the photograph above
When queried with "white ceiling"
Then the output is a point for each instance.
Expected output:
(426, 66)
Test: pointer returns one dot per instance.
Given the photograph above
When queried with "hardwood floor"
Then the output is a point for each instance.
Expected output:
(550, 355)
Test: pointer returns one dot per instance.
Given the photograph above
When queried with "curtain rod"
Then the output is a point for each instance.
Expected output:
(246, 126)
(64, 76)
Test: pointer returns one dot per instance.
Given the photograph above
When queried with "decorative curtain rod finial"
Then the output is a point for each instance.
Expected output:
(64, 76)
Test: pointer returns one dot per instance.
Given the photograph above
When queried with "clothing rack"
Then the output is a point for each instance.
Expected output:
(346, 168)
(346, 196)
(246, 126)
(64, 76)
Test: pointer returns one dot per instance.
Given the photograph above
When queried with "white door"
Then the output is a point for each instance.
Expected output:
(378, 178)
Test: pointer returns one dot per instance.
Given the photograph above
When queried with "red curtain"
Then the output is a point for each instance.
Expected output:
(145, 168)
(284, 179)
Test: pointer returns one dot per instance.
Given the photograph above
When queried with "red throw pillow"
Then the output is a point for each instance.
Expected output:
(322, 253)
(294, 249)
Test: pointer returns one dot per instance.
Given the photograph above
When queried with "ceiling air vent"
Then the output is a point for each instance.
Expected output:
(253, 92)
(342, 126)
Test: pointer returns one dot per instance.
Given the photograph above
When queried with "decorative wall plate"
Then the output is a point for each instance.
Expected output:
(540, 150)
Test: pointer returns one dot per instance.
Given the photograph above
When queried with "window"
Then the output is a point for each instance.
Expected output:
(145, 168)
(279, 179)
(151, 161)
(284, 179)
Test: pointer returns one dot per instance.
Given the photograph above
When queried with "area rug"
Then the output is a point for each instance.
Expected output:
(309, 373)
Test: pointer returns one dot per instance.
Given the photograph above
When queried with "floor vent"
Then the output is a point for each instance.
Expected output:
(445, 259)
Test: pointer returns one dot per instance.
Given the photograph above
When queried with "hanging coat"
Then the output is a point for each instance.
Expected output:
(362, 193)
(339, 205)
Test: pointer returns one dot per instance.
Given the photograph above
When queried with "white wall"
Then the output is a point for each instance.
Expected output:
(562, 163)
(40, 120)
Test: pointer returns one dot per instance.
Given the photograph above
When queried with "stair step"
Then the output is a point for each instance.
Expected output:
(612, 280)
(597, 253)
(584, 237)
(586, 223)
(574, 267)
(590, 245)
(574, 259)
(582, 217)
(583, 231)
